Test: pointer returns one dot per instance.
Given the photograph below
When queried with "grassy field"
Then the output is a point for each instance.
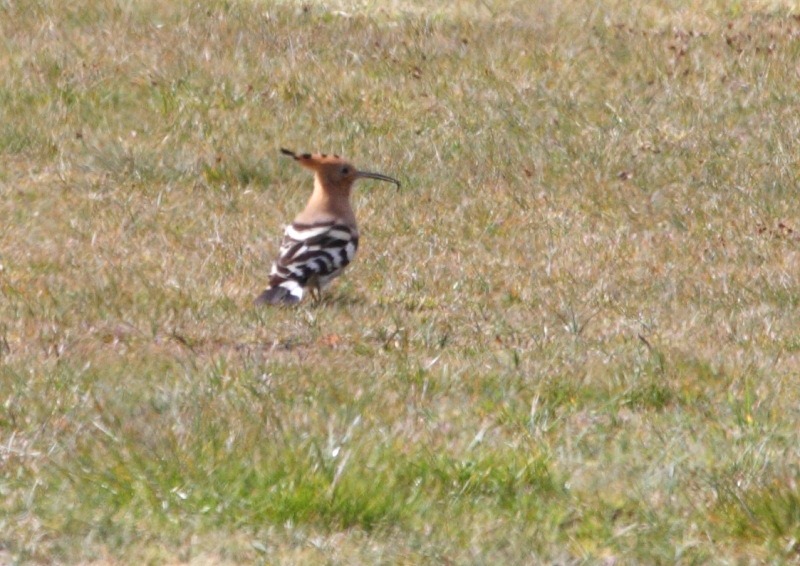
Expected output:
(573, 336)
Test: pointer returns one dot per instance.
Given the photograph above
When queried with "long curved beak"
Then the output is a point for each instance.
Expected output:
(368, 175)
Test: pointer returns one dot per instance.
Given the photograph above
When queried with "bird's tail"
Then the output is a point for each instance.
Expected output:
(286, 293)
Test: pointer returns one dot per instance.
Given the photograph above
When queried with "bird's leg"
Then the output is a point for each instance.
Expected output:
(314, 289)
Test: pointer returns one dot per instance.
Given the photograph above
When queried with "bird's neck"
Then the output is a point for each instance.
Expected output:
(328, 204)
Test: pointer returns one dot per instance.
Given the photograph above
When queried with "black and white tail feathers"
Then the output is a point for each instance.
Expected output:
(311, 255)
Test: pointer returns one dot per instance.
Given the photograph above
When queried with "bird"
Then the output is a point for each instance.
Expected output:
(323, 239)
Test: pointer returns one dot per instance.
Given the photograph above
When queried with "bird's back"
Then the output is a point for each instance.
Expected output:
(310, 255)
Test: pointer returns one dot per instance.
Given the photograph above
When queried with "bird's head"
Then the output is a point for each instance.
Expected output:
(333, 173)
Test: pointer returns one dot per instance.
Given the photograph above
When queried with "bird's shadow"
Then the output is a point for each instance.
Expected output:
(337, 301)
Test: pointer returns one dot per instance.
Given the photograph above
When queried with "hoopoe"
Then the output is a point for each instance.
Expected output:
(323, 239)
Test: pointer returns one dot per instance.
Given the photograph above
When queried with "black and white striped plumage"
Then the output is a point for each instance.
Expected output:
(311, 256)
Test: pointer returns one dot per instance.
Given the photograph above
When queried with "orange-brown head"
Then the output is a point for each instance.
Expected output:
(334, 174)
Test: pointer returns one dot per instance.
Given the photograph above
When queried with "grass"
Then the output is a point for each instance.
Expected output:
(571, 337)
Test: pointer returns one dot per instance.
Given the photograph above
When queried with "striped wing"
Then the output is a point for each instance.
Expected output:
(310, 254)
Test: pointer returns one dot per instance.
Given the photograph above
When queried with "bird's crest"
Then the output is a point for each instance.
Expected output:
(310, 159)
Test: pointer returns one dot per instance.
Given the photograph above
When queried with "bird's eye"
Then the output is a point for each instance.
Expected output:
(345, 170)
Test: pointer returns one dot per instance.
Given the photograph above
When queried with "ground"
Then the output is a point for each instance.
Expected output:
(571, 336)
